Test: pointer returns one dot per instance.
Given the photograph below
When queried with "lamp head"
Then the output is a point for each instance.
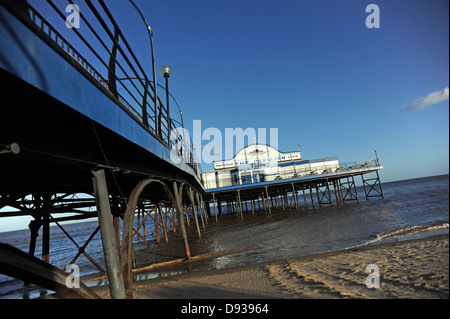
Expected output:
(166, 71)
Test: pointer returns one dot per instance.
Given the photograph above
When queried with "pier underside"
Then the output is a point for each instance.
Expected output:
(314, 191)
(49, 155)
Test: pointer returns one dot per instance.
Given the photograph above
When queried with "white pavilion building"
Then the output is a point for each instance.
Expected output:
(262, 163)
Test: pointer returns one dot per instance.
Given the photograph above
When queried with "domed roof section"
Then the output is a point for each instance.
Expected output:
(256, 151)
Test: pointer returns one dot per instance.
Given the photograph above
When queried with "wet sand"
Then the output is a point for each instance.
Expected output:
(409, 269)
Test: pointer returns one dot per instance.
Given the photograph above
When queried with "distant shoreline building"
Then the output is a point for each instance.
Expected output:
(262, 163)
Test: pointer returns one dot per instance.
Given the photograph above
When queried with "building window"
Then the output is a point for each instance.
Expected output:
(246, 179)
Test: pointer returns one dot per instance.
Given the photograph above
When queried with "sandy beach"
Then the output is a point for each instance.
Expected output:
(409, 269)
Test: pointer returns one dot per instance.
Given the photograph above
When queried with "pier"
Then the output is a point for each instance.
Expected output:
(260, 177)
(296, 193)
(91, 137)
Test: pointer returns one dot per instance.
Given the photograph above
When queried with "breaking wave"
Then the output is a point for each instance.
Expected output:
(409, 231)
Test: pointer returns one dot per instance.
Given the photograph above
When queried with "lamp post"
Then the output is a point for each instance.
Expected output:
(157, 110)
(166, 71)
(376, 155)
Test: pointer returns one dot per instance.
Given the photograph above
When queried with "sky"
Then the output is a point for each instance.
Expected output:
(315, 71)
(312, 69)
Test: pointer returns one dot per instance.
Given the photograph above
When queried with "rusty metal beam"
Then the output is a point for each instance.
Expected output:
(127, 236)
(20, 265)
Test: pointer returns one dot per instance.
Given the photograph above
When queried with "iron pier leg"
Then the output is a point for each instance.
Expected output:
(312, 196)
(188, 214)
(46, 238)
(219, 207)
(364, 185)
(263, 199)
(294, 193)
(158, 239)
(329, 193)
(163, 222)
(240, 204)
(304, 197)
(181, 218)
(337, 190)
(253, 206)
(116, 225)
(191, 197)
(379, 183)
(297, 200)
(34, 233)
(215, 209)
(206, 210)
(113, 269)
(268, 201)
(318, 195)
(201, 210)
(354, 186)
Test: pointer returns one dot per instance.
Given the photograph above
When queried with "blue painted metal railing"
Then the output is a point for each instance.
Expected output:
(116, 69)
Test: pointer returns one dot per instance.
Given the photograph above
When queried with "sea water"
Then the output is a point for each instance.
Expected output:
(411, 209)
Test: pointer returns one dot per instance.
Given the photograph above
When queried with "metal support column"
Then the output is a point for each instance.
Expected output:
(329, 193)
(294, 193)
(163, 222)
(379, 183)
(46, 238)
(318, 195)
(312, 196)
(191, 197)
(219, 207)
(34, 233)
(240, 204)
(263, 201)
(304, 197)
(181, 217)
(215, 209)
(354, 186)
(116, 286)
(268, 200)
(201, 210)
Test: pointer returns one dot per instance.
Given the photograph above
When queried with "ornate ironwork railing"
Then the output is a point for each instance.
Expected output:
(108, 60)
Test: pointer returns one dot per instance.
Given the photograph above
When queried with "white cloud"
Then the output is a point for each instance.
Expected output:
(430, 99)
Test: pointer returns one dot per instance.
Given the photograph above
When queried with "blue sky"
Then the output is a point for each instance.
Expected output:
(313, 70)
